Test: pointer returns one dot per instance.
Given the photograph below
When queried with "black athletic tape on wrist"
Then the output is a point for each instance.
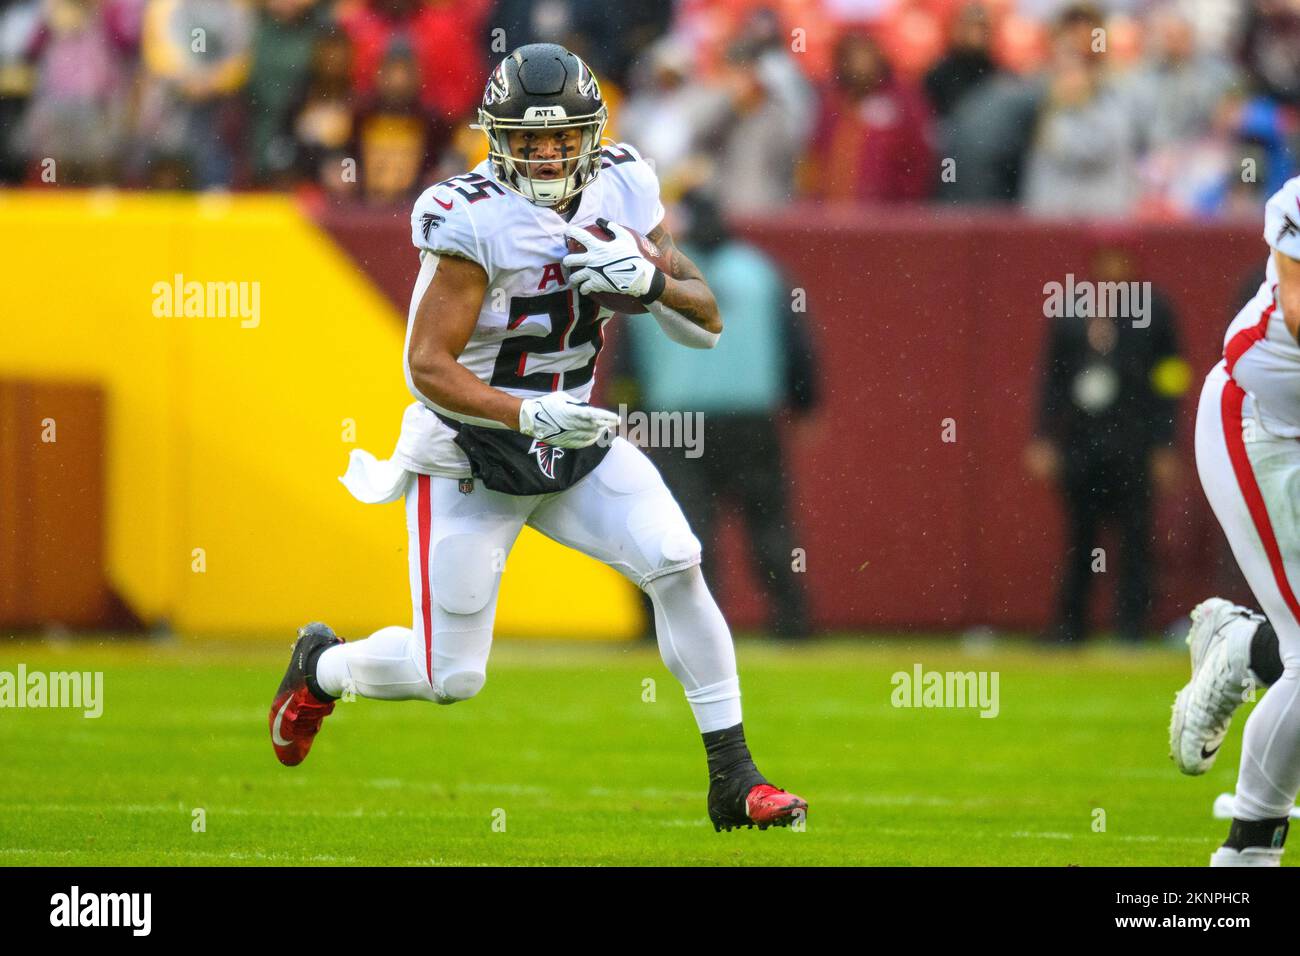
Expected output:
(657, 285)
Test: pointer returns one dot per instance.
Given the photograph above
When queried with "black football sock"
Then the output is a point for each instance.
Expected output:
(1265, 659)
(729, 757)
(1265, 833)
(310, 666)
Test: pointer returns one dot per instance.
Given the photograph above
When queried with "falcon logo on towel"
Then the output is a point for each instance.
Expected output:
(547, 456)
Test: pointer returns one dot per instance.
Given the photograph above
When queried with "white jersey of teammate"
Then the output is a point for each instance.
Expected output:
(1260, 354)
(534, 333)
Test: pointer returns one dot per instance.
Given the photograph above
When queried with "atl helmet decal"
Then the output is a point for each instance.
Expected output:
(547, 456)
(587, 85)
(498, 87)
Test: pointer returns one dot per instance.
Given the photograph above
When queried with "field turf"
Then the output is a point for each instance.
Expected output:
(562, 750)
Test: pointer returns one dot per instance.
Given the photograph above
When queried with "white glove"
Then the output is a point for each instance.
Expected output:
(614, 266)
(558, 420)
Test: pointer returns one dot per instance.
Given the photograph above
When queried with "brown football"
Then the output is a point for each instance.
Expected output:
(624, 304)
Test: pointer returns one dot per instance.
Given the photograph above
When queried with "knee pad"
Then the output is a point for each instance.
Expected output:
(461, 685)
(663, 537)
(462, 574)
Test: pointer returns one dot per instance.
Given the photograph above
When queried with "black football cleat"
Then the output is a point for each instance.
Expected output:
(752, 804)
(296, 713)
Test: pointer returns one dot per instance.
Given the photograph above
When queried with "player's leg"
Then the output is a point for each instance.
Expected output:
(1251, 485)
(457, 548)
(624, 515)
(456, 553)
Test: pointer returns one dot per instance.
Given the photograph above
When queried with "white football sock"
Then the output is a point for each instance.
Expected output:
(695, 644)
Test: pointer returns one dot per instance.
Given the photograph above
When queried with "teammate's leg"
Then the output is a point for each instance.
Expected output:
(1251, 481)
(624, 515)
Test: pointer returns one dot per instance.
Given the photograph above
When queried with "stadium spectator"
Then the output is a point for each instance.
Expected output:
(1270, 49)
(197, 55)
(451, 68)
(396, 140)
(1177, 91)
(966, 64)
(19, 22)
(751, 136)
(1083, 158)
(323, 121)
(1240, 162)
(78, 112)
(609, 36)
(665, 114)
(1105, 434)
(874, 137)
(283, 45)
(764, 365)
(778, 70)
(988, 135)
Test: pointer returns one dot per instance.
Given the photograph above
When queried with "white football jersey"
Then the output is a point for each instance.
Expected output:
(1261, 355)
(534, 333)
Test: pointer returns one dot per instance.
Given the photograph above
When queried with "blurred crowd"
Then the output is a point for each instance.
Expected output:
(1152, 108)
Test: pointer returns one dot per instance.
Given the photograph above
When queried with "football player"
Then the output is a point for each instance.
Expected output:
(501, 347)
(1248, 458)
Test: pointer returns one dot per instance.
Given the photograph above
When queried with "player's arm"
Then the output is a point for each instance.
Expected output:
(1288, 290)
(444, 321)
(685, 292)
(677, 296)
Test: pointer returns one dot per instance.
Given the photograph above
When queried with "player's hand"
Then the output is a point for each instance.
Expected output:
(614, 266)
(557, 419)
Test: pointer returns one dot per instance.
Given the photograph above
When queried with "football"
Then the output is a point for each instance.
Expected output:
(623, 304)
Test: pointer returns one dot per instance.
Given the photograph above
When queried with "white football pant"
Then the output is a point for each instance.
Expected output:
(1252, 480)
(622, 514)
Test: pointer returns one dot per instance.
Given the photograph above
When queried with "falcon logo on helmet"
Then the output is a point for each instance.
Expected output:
(542, 86)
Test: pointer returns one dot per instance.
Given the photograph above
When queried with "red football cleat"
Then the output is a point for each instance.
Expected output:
(768, 806)
(296, 714)
(739, 802)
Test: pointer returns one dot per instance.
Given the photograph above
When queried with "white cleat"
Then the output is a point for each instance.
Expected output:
(1250, 856)
(1219, 641)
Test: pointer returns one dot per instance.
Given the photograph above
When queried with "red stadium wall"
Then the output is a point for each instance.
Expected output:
(922, 318)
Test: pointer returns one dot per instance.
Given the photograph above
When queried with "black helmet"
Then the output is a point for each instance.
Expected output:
(538, 86)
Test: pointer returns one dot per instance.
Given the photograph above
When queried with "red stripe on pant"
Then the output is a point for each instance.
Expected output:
(425, 518)
(1240, 343)
(1233, 396)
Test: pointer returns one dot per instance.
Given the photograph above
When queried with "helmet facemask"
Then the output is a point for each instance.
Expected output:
(515, 172)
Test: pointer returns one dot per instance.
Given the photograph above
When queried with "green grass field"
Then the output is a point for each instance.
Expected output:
(561, 748)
